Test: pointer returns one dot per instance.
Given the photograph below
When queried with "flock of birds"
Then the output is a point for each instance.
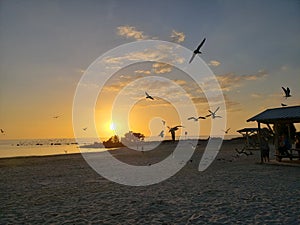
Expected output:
(212, 114)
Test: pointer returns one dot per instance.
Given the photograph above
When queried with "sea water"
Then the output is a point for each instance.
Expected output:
(42, 147)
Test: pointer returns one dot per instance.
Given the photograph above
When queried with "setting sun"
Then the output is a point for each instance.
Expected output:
(112, 126)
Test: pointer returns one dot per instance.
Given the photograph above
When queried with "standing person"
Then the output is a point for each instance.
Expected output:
(284, 146)
(264, 150)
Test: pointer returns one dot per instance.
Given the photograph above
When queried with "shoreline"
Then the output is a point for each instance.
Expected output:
(94, 149)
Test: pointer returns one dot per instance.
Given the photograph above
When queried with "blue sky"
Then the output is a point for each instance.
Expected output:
(45, 46)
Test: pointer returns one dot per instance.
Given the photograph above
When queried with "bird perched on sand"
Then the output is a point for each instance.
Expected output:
(149, 96)
(197, 50)
(226, 131)
(213, 114)
(196, 119)
(172, 131)
(287, 92)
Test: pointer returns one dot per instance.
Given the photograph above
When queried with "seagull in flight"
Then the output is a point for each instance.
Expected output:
(213, 114)
(226, 131)
(196, 119)
(161, 134)
(149, 96)
(197, 50)
(172, 131)
(287, 92)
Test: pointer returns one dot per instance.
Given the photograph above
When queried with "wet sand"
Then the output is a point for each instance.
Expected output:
(66, 190)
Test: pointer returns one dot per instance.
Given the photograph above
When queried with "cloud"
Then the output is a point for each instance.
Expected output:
(231, 80)
(147, 72)
(131, 32)
(161, 52)
(214, 63)
(177, 36)
(160, 68)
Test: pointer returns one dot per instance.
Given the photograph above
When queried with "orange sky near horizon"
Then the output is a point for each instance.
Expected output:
(251, 50)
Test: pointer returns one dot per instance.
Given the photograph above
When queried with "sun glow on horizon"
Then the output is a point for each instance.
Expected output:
(112, 126)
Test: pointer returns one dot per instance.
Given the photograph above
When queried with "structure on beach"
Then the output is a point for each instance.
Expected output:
(250, 134)
(278, 117)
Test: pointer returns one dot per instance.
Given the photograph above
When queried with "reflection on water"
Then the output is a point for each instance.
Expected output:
(40, 147)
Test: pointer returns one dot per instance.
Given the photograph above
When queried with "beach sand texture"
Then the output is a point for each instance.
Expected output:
(65, 190)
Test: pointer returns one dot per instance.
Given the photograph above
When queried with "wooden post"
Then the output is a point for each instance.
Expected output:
(259, 141)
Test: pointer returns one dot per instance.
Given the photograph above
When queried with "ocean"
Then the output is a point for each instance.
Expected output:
(58, 146)
(42, 147)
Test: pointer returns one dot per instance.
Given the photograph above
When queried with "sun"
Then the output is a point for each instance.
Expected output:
(112, 126)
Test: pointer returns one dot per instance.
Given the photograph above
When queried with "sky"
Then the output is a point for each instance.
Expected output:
(47, 47)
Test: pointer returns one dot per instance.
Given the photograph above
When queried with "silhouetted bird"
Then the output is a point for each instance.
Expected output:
(84, 128)
(172, 131)
(2, 131)
(213, 114)
(197, 50)
(196, 119)
(55, 117)
(149, 96)
(283, 105)
(226, 131)
(162, 134)
(164, 122)
(287, 92)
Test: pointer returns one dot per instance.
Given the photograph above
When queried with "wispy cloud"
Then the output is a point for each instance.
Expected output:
(160, 53)
(231, 80)
(160, 68)
(214, 63)
(131, 32)
(177, 36)
(147, 72)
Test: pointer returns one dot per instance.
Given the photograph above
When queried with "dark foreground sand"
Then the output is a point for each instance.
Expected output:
(65, 190)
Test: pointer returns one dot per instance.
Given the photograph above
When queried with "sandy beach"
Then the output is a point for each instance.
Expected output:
(66, 190)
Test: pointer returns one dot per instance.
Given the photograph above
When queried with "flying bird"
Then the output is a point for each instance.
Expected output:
(226, 131)
(55, 117)
(84, 128)
(213, 114)
(197, 50)
(172, 131)
(283, 105)
(161, 134)
(163, 122)
(196, 119)
(149, 96)
(2, 131)
(287, 92)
